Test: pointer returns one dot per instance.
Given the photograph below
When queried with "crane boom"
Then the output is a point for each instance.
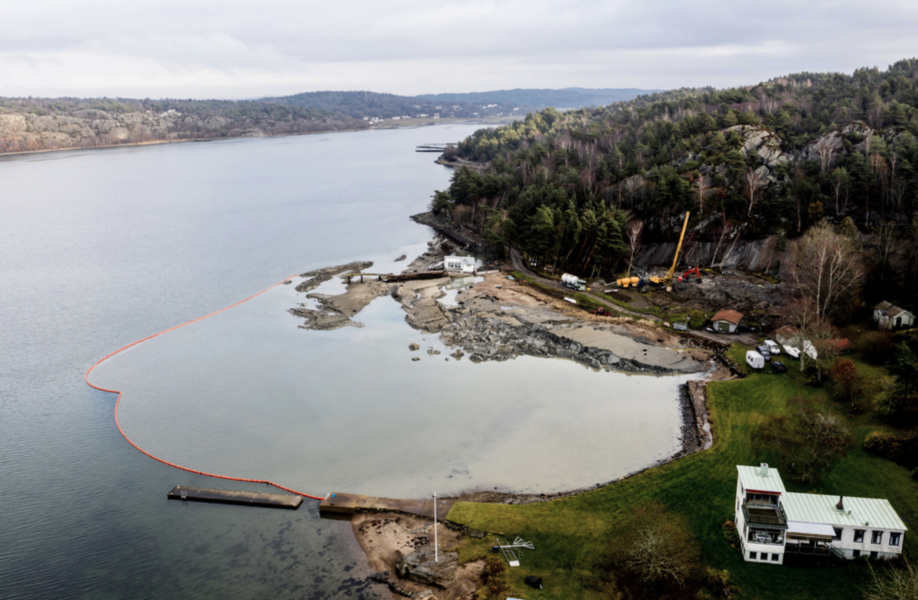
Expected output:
(669, 275)
(672, 269)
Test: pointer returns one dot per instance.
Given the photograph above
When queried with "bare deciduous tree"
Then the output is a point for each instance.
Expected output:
(825, 267)
(701, 188)
(826, 151)
(658, 548)
(812, 332)
(893, 584)
(633, 231)
(809, 438)
(753, 181)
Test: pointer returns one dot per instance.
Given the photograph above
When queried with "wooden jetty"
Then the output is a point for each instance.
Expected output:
(390, 278)
(338, 503)
(289, 501)
(433, 147)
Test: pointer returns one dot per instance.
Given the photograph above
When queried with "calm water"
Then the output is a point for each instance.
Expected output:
(98, 249)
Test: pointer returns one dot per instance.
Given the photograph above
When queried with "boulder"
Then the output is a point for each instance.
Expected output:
(421, 567)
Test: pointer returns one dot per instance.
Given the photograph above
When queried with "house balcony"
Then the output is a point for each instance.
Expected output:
(764, 514)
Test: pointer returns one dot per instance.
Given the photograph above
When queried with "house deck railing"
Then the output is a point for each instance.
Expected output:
(763, 514)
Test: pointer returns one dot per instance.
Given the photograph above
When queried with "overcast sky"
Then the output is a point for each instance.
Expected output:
(247, 49)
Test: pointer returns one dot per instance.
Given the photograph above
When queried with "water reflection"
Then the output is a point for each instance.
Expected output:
(249, 394)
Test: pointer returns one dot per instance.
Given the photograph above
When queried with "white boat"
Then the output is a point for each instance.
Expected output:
(791, 351)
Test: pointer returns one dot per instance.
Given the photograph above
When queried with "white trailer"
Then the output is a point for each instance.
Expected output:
(755, 360)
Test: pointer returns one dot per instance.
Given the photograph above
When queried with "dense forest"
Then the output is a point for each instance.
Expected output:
(28, 124)
(544, 98)
(769, 159)
(385, 106)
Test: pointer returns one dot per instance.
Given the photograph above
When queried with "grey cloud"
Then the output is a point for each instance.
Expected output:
(405, 46)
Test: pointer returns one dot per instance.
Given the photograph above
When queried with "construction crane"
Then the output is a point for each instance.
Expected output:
(667, 280)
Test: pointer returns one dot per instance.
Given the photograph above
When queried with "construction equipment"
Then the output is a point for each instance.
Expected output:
(629, 282)
(667, 280)
(573, 282)
(684, 278)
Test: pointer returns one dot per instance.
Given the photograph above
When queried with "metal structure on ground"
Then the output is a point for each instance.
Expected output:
(510, 551)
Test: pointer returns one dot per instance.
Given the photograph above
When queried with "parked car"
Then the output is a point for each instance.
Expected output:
(773, 347)
(763, 350)
(778, 367)
(744, 328)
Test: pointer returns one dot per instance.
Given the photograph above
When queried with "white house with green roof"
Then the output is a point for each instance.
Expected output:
(773, 523)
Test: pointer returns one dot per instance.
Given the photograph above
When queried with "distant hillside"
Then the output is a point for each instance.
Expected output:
(50, 123)
(373, 105)
(769, 159)
(543, 98)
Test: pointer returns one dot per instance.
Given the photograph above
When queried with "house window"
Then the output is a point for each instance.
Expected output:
(858, 536)
(774, 557)
(857, 554)
(894, 539)
(874, 555)
(753, 555)
(838, 534)
(876, 537)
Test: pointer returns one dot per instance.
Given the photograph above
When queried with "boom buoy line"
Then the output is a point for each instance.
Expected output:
(166, 462)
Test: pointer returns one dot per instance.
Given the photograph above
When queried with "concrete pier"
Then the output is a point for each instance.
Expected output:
(288, 501)
(348, 504)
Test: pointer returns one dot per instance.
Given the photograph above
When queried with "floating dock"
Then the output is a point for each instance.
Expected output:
(288, 501)
(348, 504)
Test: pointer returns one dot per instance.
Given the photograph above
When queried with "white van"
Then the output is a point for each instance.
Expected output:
(755, 360)
(773, 347)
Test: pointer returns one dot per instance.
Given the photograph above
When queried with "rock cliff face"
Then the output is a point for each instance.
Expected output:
(764, 145)
(33, 125)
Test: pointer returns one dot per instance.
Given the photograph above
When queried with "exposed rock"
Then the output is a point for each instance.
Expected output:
(315, 278)
(420, 566)
(413, 347)
(760, 141)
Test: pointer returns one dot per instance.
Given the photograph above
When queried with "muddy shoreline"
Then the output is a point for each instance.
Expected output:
(492, 317)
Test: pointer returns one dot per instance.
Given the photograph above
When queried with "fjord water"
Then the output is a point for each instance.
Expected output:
(101, 248)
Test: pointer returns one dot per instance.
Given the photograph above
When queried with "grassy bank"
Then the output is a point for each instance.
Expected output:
(574, 537)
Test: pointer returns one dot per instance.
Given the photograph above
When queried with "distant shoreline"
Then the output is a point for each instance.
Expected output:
(158, 142)
(388, 125)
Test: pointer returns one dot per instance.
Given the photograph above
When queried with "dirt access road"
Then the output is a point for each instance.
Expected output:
(520, 265)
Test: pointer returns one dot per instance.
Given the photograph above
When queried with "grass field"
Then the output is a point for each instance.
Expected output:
(574, 537)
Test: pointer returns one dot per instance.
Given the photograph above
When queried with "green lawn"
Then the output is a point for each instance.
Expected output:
(573, 536)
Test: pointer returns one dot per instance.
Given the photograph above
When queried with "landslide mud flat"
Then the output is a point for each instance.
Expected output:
(497, 319)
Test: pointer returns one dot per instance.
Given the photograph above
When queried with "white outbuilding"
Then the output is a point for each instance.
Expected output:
(459, 264)
(890, 316)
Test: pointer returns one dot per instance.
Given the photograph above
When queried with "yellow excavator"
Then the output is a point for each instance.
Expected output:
(668, 278)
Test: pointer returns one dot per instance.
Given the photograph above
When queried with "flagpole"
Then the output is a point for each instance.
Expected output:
(436, 544)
